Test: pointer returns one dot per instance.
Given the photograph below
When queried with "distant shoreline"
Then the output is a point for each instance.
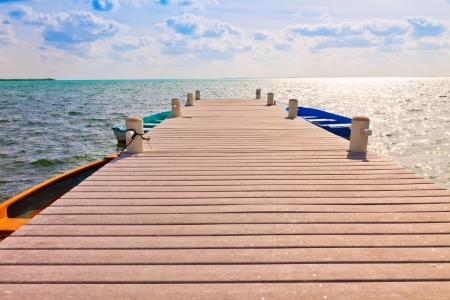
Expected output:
(29, 79)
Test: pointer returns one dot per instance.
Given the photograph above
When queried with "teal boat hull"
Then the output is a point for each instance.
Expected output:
(149, 123)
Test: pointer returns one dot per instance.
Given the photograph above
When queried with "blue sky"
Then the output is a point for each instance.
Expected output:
(127, 39)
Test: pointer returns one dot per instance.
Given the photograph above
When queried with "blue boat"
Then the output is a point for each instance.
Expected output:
(149, 122)
(336, 124)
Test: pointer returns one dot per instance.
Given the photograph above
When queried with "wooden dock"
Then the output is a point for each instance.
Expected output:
(237, 202)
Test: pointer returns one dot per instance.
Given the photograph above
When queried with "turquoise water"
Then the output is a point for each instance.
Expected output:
(52, 127)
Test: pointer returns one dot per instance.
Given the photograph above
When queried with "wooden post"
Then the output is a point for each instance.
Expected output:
(176, 108)
(197, 95)
(134, 125)
(293, 105)
(190, 99)
(270, 99)
(258, 94)
(359, 135)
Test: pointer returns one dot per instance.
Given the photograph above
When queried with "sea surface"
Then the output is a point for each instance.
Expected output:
(50, 127)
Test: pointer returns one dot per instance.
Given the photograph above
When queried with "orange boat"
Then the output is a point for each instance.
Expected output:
(21, 208)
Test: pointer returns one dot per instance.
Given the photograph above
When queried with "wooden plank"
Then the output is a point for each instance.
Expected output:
(124, 218)
(115, 200)
(76, 209)
(226, 242)
(236, 178)
(145, 181)
(256, 273)
(232, 229)
(225, 256)
(258, 194)
(309, 186)
(272, 290)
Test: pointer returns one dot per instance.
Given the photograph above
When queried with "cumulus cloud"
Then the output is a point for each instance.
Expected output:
(107, 5)
(262, 35)
(430, 46)
(198, 27)
(425, 27)
(346, 42)
(282, 46)
(196, 4)
(386, 28)
(190, 34)
(72, 31)
(6, 33)
(374, 33)
(327, 30)
(130, 43)
(207, 49)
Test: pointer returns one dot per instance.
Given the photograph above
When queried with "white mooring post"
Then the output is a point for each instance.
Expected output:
(134, 125)
(190, 99)
(176, 108)
(359, 135)
(293, 104)
(258, 94)
(197, 95)
(270, 99)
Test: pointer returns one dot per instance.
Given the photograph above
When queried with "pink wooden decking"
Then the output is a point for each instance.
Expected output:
(237, 202)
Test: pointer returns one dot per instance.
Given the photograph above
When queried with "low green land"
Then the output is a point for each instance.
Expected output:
(25, 79)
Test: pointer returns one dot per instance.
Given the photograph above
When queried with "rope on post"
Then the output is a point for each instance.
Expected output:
(176, 108)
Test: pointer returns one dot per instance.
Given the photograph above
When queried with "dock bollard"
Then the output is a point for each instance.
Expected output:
(190, 99)
(135, 145)
(359, 134)
(258, 94)
(270, 99)
(176, 108)
(197, 95)
(293, 104)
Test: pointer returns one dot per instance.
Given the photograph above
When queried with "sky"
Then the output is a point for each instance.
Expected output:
(149, 39)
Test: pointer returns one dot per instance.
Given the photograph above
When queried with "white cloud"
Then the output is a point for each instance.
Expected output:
(73, 31)
(426, 27)
(7, 36)
(282, 46)
(385, 28)
(328, 30)
(198, 26)
(112, 5)
(375, 33)
(346, 42)
(197, 36)
(195, 4)
(325, 17)
(129, 43)
(263, 35)
(430, 46)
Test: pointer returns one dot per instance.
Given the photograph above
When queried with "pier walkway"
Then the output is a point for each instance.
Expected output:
(237, 202)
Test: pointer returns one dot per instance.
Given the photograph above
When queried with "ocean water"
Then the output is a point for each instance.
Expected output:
(50, 127)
